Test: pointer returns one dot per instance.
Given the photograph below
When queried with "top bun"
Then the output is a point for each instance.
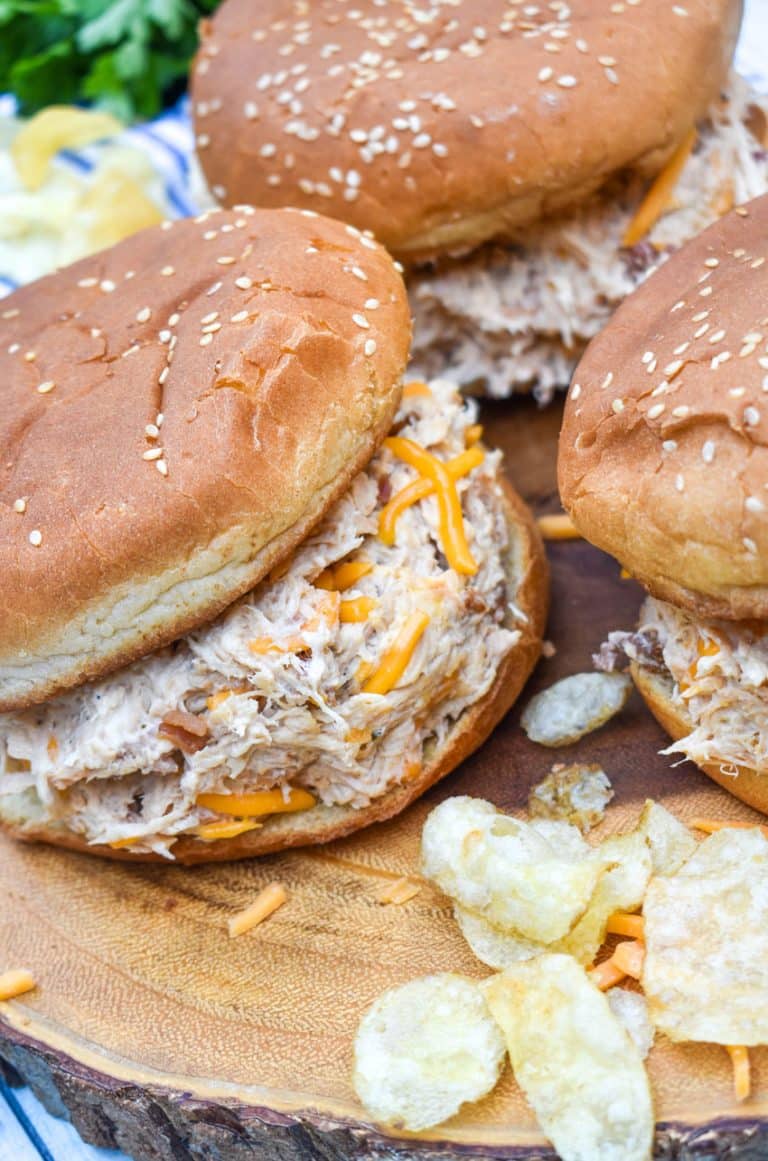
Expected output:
(441, 126)
(663, 457)
(177, 413)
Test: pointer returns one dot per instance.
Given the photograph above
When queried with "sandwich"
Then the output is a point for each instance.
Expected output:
(237, 615)
(663, 463)
(529, 164)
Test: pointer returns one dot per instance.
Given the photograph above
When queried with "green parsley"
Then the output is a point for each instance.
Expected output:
(126, 56)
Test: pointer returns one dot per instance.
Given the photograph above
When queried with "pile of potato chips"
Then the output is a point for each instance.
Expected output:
(536, 902)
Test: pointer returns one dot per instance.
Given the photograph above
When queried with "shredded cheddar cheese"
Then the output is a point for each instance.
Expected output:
(473, 434)
(622, 923)
(460, 466)
(118, 844)
(399, 892)
(358, 737)
(628, 957)
(558, 526)
(396, 658)
(268, 901)
(57, 127)
(710, 825)
(258, 802)
(415, 388)
(606, 975)
(658, 197)
(452, 534)
(260, 645)
(358, 610)
(15, 983)
(742, 1082)
(212, 831)
(343, 576)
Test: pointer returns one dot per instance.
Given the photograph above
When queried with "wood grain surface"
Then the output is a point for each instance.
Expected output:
(160, 1035)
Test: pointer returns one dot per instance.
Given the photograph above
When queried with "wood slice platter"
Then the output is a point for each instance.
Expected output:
(157, 1033)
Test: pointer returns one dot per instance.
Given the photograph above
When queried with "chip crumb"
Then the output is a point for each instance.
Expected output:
(577, 794)
(631, 1010)
(399, 892)
(574, 706)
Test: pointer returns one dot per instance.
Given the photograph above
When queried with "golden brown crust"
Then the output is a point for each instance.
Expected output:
(663, 459)
(439, 134)
(528, 571)
(249, 331)
(748, 785)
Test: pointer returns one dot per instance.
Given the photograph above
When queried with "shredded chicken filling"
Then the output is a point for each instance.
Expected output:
(509, 317)
(272, 694)
(720, 675)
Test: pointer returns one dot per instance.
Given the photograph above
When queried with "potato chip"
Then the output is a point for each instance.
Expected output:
(621, 888)
(574, 1060)
(577, 794)
(671, 843)
(575, 706)
(506, 871)
(425, 1048)
(498, 949)
(706, 932)
(631, 1008)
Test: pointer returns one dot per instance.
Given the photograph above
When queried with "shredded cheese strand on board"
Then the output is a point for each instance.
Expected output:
(396, 658)
(659, 195)
(558, 526)
(15, 983)
(398, 892)
(742, 1082)
(268, 901)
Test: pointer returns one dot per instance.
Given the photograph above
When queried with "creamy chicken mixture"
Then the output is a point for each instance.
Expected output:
(720, 674)
(509, 317)
(273, 689)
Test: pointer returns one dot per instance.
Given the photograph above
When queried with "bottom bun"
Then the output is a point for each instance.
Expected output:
(658, 691)
(527, 573)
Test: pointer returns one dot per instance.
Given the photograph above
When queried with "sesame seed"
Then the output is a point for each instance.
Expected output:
(716, 336)
(617, 406)
(86, 283)
(163, 375)
(567, 82)
(607, 380)
(162, 467)
(370, 347)
(20, 505)
(681, 349)
(655, 411)
(165, 336)
(371, 303)
(241, 316)
(712, 262)
(35, 538)
(680, 412)
(661, 389)
(206, 339)
(751, 416)
(679, 483)
(700, 316)
(151, 431)
(546, 74)
(753, 504)
(708, 451)
(167, 271)
(173, 320)
(706, 291)
(226, 260)
(678, 306)
(212, 328)
(648, 355)
(44, 388)
(209, 318)
(737, 392)
(244, 282)
(723, 357)
(669, 445)
(154, 453)
(30, 356)
(672, 368)
(576, 391)
(361, 321)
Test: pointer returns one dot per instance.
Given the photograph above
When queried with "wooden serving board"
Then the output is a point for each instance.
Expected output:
(158, 1034)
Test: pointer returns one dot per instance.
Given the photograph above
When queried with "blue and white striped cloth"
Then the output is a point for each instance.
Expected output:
(27, 1132)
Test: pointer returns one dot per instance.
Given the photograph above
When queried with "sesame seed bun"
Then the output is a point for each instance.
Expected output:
(657, 690)
(663, 459)
(527, 573)
(178, 412)
(442, 127)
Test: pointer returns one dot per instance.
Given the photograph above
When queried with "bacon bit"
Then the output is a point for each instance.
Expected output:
(558, 527)
(360, 609)
(398, 892)
(658, 196)
(187, 731)
(473, 434)
(342, 576)
(415, 388)
(268, 901)
(711, 825)
(622, 923)
(742, 1082)
(15, 983)
(210, 832)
